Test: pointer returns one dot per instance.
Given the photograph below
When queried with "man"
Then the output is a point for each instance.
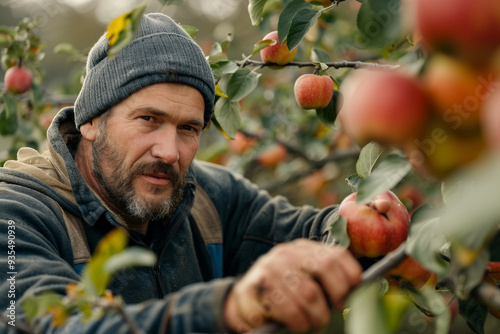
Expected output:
(123, 157)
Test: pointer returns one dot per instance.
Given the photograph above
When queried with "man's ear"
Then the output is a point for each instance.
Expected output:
(89, 130)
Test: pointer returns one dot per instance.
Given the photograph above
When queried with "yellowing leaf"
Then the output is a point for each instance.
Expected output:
(116, 27)
(219, 92)
(122, 30)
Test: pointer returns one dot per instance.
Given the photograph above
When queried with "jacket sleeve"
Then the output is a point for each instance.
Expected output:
(253, 221)
(42, 261)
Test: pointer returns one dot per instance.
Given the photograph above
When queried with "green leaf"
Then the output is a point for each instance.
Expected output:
(242, 83)
(129, 258)
(338, 232)
(320, 57)
(191, 30)
(66, 48)
(8, 115)
(39, 305)
(255, 9)
(378, 22)
(424, 244)
(431, 300)
(353, 182)
(474, 313)
(122, 30)
(385, 176)
(227, 115)
(225, 43)
(94, 279)
(216, 71)
(328, 114)
(262, 44)
(216, 54)
(366, 315)
(287, 15)
(368, 157)
(471, 214)
(301, 23)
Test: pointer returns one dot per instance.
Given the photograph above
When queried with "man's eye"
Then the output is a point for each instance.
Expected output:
(147, 118)
(189, 128)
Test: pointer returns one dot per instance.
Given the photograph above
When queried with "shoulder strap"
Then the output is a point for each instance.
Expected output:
(74, 225)
(206, 217)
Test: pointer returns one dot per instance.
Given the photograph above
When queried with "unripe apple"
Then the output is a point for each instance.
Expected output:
(277, 53)
(410, 271)
(385, 106)
(18, 80)
(375, 228)
(439, 152)
(455, 92)
(313, 91)
(469, 29)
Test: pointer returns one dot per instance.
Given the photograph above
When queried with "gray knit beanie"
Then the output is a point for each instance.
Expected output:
(161, 52)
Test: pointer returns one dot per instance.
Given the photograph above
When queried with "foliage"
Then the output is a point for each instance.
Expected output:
(454, 234)
(90, 296)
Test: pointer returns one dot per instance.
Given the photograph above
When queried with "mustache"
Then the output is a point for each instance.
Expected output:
(156, 167)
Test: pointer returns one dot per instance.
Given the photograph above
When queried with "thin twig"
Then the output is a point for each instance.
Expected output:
(337, 65)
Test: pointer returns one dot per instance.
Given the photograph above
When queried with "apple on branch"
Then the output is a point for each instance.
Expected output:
(18, 79)
(375, 228)
(463, 28)
(313, 91)
(277, 53)
(386, 106)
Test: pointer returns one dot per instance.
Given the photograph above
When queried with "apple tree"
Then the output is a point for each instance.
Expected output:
(393, 104)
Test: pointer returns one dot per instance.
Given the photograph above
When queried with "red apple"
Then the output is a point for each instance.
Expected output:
(375, 228)
(385, 106)
(18, 80)
(241, 143)
(277, 53)
(313, 91)
(410, 271)
(460, 27)
(493, 270)
(490, 120)
(272, 156)
(489, 280)
(455, 92)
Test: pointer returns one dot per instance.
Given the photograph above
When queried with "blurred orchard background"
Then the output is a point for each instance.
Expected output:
(311, 161)
(301, 154)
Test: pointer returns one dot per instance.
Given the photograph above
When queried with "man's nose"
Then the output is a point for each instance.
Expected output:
(166, 146)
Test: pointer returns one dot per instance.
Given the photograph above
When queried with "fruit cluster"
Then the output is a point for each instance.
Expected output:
(447, 115)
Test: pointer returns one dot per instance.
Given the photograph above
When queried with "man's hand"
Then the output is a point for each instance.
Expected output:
(295, 284)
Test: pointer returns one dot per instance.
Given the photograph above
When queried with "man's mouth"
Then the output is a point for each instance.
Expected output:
(158, 179)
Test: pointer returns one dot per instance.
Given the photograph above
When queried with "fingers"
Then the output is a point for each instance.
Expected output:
(294, 284)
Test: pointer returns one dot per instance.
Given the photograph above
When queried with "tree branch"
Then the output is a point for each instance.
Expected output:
(337, 65)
